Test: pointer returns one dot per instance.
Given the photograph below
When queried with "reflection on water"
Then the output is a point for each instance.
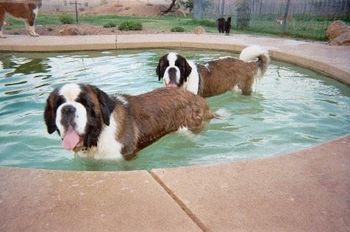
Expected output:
(291, 108)
(29, 66)
(17, 67)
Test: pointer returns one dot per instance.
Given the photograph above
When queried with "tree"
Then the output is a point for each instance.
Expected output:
(187, 4)
(169, 8)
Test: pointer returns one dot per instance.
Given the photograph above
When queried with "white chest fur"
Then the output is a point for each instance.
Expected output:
(192, 83)
(108, 148)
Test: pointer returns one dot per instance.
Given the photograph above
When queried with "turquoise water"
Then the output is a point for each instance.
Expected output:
(292, 108)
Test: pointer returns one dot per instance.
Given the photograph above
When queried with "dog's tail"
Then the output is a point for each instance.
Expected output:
(256, 54)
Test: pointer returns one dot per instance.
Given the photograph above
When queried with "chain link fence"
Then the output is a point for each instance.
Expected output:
(301, 18)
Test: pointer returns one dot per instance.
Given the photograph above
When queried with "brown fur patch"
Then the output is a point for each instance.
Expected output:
(92, 95)
(219, 76)
(22, 10)
(148, 117)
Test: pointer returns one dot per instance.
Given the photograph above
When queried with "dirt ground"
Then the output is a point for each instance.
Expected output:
(114, 7)
(126, 9)
(111, 7)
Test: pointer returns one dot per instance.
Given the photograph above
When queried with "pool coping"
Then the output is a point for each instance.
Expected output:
(306, 190)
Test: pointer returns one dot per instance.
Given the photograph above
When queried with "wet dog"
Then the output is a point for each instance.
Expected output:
(94, 124)
(217, 76)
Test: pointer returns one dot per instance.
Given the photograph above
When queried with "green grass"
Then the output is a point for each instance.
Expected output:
(296, 28)
(303, 27)
(160, 24)
(130, 26)
(66, 19)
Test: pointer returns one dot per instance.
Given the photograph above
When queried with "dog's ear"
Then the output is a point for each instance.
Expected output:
(162, 65)
(50, 112)
(159, 68)
(107, 105)
(158, 71)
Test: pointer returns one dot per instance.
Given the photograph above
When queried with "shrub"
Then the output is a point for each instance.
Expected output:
(177, 29)
(66, 19)
(110, 24)
(130, 26)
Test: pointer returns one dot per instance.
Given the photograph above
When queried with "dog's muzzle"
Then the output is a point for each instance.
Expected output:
(71, 138)
(172, 73)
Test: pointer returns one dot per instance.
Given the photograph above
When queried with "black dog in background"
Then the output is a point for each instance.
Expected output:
(228, 26)
(221, 25)
(224, 26)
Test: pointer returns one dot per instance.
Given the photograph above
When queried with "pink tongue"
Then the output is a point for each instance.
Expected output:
(71, 139)
(172, 85)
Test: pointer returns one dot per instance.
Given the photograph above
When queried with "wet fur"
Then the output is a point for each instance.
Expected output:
(140, 120)
(173, 109)
(222, 75)
(218, 76)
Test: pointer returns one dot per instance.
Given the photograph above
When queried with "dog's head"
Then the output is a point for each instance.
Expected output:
(78, 113)
(173, 69)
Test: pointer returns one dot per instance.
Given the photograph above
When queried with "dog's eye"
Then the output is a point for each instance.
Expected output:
(164, 66)
(84, 101)
(180, 64)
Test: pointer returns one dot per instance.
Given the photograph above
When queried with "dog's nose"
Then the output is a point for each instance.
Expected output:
(172, 70)
(68, 109)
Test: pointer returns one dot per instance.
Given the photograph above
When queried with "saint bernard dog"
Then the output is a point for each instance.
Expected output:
(26, 10)
(217, 76)
(100, 126)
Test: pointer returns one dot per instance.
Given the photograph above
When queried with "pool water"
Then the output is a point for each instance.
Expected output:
(291, 108)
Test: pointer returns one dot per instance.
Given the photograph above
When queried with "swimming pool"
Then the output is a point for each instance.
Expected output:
(292, 108)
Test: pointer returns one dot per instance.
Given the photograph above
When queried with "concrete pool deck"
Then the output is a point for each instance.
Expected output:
(307, 190)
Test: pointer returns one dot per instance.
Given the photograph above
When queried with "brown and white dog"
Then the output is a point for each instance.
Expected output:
(94, 124)
(217, 76)
(26, 10)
